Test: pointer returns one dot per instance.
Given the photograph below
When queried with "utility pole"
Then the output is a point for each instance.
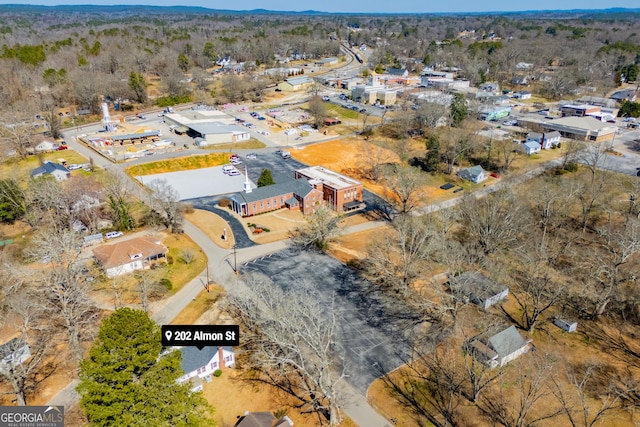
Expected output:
(235, 260)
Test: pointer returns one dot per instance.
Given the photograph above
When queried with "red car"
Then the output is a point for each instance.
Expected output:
(495, 175)
(61, 147)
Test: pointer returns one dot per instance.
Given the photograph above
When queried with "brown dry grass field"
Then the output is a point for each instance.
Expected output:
(351, 155)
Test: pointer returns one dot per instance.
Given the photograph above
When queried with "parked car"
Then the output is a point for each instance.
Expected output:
(74, 166)
(252, 156)
(234, 172)
(236, 161)
(113, 235)
(325, 98)
(510, 122)
(227, 168)
(61, 147)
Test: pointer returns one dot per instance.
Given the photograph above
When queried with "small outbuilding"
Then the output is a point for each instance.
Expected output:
(499, 349)
(531, 147)
(566, 325)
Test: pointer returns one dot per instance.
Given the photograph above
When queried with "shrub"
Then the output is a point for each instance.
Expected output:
(571, 167)
(166, 283)
(217, 373)
(224, 203)
(169, 259)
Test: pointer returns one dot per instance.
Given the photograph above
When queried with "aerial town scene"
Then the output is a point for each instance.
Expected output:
(320, 215)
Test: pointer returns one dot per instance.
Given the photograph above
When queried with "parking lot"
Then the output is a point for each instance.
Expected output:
(375, 331)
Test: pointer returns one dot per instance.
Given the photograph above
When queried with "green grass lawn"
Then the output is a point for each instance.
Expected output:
(20, 169)
(246, 145)
(179, 164)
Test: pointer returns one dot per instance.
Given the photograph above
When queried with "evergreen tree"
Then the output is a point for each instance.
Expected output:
(12, 201)
(265, 178)
(125, 382)
(432, 159)
(138, 86)
(459, 109)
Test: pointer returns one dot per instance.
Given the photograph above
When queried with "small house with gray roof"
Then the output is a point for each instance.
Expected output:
(499, 349)
(474, 174)
(56, 170)
(475, 287)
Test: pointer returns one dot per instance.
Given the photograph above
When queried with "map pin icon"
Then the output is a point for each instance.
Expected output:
(168, 335)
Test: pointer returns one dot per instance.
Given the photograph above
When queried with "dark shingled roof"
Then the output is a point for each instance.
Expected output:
(300, 187)
(48, 168)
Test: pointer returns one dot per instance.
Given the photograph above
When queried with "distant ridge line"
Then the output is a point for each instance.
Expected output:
(88, 8)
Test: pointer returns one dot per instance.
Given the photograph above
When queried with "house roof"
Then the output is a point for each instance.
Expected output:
(256, 419)
(299, 187)
(396, 71)
(294, 81)
(474, 170)
(506, 342)
(48, 168)
(552, 134)
(476, 285)
(532, 145)
(534, 136)
(121, 253)
(192, 358)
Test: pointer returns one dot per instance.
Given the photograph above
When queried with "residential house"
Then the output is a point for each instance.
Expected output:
(625, 95)
(522, 95)
(201, 364)
(531, 147)
(262, 419)
(13, 353)
(397, 72)
(475, 287)
(56, 170)
(129, 255)
(45, 146)
(547, 140)
(474, 174)
(499, 349)
(524, 66)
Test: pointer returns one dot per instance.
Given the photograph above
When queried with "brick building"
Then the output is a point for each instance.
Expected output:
(340, 192)
(312, 188)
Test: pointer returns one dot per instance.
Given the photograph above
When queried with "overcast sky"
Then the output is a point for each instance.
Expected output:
(365, 6)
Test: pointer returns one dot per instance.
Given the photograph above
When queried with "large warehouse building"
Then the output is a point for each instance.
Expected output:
(211, 126)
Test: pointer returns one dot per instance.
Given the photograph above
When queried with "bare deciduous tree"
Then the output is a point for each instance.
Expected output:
(403, 184)
(165, 200)
(322, 227)
(291, 344)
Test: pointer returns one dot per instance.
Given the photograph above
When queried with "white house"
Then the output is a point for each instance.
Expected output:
(130, 255)
(498, 349)
(46, 145)
(531, 147)
(522, 95)
(201, 364)
(474, 174)
(56, 170)
(12, 353)
(546, 140)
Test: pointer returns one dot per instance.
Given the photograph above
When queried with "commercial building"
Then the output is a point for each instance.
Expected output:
(212, 126)
(339, 191)
(578, 128)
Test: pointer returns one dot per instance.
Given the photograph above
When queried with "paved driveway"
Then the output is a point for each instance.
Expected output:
(375, 331)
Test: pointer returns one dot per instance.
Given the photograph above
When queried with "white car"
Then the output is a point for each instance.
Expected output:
(74, 166)
(113, 235)
(234, 172)
(252, 156)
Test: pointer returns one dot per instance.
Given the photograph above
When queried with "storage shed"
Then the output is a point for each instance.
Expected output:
(566, 325)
